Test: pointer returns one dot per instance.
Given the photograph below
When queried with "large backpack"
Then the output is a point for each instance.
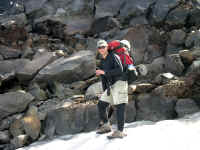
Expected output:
(118, 48)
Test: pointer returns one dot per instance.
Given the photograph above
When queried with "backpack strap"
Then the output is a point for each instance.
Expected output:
(118, 60)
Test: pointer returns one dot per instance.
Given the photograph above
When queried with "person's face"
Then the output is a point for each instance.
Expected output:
(126, 51)
(103, 50)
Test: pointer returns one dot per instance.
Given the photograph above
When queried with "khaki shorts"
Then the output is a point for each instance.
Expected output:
(118, 93)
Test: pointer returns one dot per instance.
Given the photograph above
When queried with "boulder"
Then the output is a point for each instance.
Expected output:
(32, 126)
(194, 67)
(94, 91)
(28, 125)
(4, 137)
(174, 64)
(154, 108)
(14, 102)
(164, 78)
(185, 107)
(9, 53)
(194, 20)
(161, 9)
(77, 67)
(13, 32)
(135, 8)
(186, 57)
(104, 24)
(20, 141)
(35, 90)
(29, 70)
(8, 68)
(177, 17)
(175, 88)
(70, 16)
(193, 40)
(65, 120)
(106, 8)
(144, 87)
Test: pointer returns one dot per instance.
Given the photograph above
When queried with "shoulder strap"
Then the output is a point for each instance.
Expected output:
(118, 60)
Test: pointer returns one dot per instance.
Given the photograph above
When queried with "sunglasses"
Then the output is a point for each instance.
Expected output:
(101, 47)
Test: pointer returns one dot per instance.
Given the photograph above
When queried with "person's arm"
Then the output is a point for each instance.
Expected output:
(100, 72)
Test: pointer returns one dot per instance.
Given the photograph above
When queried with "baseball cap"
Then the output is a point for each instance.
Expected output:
(126, 43)
(101, 43)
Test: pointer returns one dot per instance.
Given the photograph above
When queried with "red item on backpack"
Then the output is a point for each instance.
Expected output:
(117, 48)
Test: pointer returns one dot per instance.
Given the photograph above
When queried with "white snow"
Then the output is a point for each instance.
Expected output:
(182, 134)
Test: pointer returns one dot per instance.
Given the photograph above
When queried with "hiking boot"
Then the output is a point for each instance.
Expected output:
(105, 128)
(100, 124)
(117, 134)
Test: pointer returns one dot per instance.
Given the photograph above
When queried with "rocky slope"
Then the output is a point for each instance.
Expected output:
(48, 60)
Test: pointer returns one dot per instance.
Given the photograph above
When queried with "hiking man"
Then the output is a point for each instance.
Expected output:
(115, 88)
(125, 44)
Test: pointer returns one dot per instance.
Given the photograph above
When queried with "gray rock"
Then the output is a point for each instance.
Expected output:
(164, 78)
(9, 53)
(35, 90)
(104, 24)
(154, 108)
(8, 68)
(194, 19)
(152, 52)
(161, 9)
(187, 57)
(19, 19)
(65, 120)
(141, 20)
(92, 118)
(106, 8)
(177, 17)
(185, 107)
(135, 8)
(20, 141)
(156, 67)
(4, 137)
(94, 91)
(32, 126)
(29, 124)
(196, 54)
(174, 88)
(75, 15)
(34, 6)
(174, 64)
(177, 37)
(14, 102)
(194, 67)
(77, 67)
(193, 39)
(30, 69)
(13, 31)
